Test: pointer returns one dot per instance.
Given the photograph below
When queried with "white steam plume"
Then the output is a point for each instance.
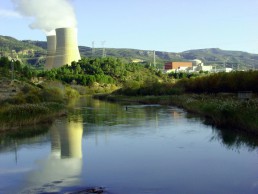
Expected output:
(48, 14)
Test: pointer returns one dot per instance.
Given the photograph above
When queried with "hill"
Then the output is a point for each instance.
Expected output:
(218, 56)
(34, 52)
(24, 51)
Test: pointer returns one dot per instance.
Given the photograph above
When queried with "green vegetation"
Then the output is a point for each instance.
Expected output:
(24, 103)
(222, 82)
(14, 116)
(213, 96)
(31, 104)
(90, 71)
(8, 43)
(106, 75)
(194, 83)
(26, 52)
(228, 112)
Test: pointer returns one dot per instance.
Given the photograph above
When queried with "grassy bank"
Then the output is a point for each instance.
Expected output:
(222, 111)
(30, 104)
(14, 116)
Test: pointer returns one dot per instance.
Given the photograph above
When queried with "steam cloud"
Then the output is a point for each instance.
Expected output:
(48, 14)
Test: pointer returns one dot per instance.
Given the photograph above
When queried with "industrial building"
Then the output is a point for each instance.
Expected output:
(177, 66)
(62, 48)
(189, 66)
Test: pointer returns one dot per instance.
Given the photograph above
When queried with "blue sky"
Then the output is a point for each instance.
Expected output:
(164, 25)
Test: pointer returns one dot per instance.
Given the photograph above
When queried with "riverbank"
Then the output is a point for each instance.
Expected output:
(15, 116)
(225, 111)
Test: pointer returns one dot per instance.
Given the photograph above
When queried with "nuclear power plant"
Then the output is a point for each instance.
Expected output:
(62, 48)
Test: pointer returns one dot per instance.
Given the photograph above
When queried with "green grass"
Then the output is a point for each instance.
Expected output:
(228, 112)
(14, 116)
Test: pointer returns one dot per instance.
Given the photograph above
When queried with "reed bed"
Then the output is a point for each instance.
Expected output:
(228, 112)
(14, 116)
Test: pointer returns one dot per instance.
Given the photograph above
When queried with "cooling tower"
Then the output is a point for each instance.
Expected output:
(51, 50)
(66, 47)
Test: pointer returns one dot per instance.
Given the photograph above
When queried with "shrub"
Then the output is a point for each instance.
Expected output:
(71, 92)
(52, 95)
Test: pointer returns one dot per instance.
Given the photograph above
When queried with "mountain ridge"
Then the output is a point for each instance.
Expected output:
(210, 56)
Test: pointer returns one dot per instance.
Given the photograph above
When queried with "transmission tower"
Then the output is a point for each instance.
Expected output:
(154, 58)
(93, 49)
(103, 49)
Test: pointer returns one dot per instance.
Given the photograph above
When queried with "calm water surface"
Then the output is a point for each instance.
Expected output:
(142, 149)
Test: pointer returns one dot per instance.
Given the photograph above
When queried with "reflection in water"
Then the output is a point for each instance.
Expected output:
(234, 139)
(176, 115)
(66, 138)
(141, 149)
(63, 166)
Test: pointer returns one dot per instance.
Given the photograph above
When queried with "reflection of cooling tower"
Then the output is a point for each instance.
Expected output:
(64, 165)
(51, 50)
(66, 47)
(71, 140)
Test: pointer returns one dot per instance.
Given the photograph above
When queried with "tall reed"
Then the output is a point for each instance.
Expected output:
(14, 116)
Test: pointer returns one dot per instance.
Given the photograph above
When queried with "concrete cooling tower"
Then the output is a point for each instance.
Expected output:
(66, 47)
(51, 50)
(62, 49)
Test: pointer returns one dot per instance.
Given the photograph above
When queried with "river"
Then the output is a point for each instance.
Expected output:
(133, 149)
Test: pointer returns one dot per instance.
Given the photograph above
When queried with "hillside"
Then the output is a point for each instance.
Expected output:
(25, 51)
(218, 56)
(34, 52)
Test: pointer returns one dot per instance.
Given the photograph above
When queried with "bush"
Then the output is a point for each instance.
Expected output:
(52, 95)
(71, 93)
(222, 82)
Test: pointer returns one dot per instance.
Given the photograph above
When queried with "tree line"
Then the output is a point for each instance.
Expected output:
(137, 79)
(85, 72)
(222, 82)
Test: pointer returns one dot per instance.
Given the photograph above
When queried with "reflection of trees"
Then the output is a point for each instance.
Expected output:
(109, 114)
(231, 138)
(234, 139)
(28, 135)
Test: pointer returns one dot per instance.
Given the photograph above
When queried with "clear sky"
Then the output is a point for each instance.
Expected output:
(164, 25)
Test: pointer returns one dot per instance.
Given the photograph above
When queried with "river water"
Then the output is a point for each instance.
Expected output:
(136, 149)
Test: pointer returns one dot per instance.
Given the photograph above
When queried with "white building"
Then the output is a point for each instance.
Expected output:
(227, 70)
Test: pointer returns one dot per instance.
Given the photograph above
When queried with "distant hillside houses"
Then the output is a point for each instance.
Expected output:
(188, 66)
